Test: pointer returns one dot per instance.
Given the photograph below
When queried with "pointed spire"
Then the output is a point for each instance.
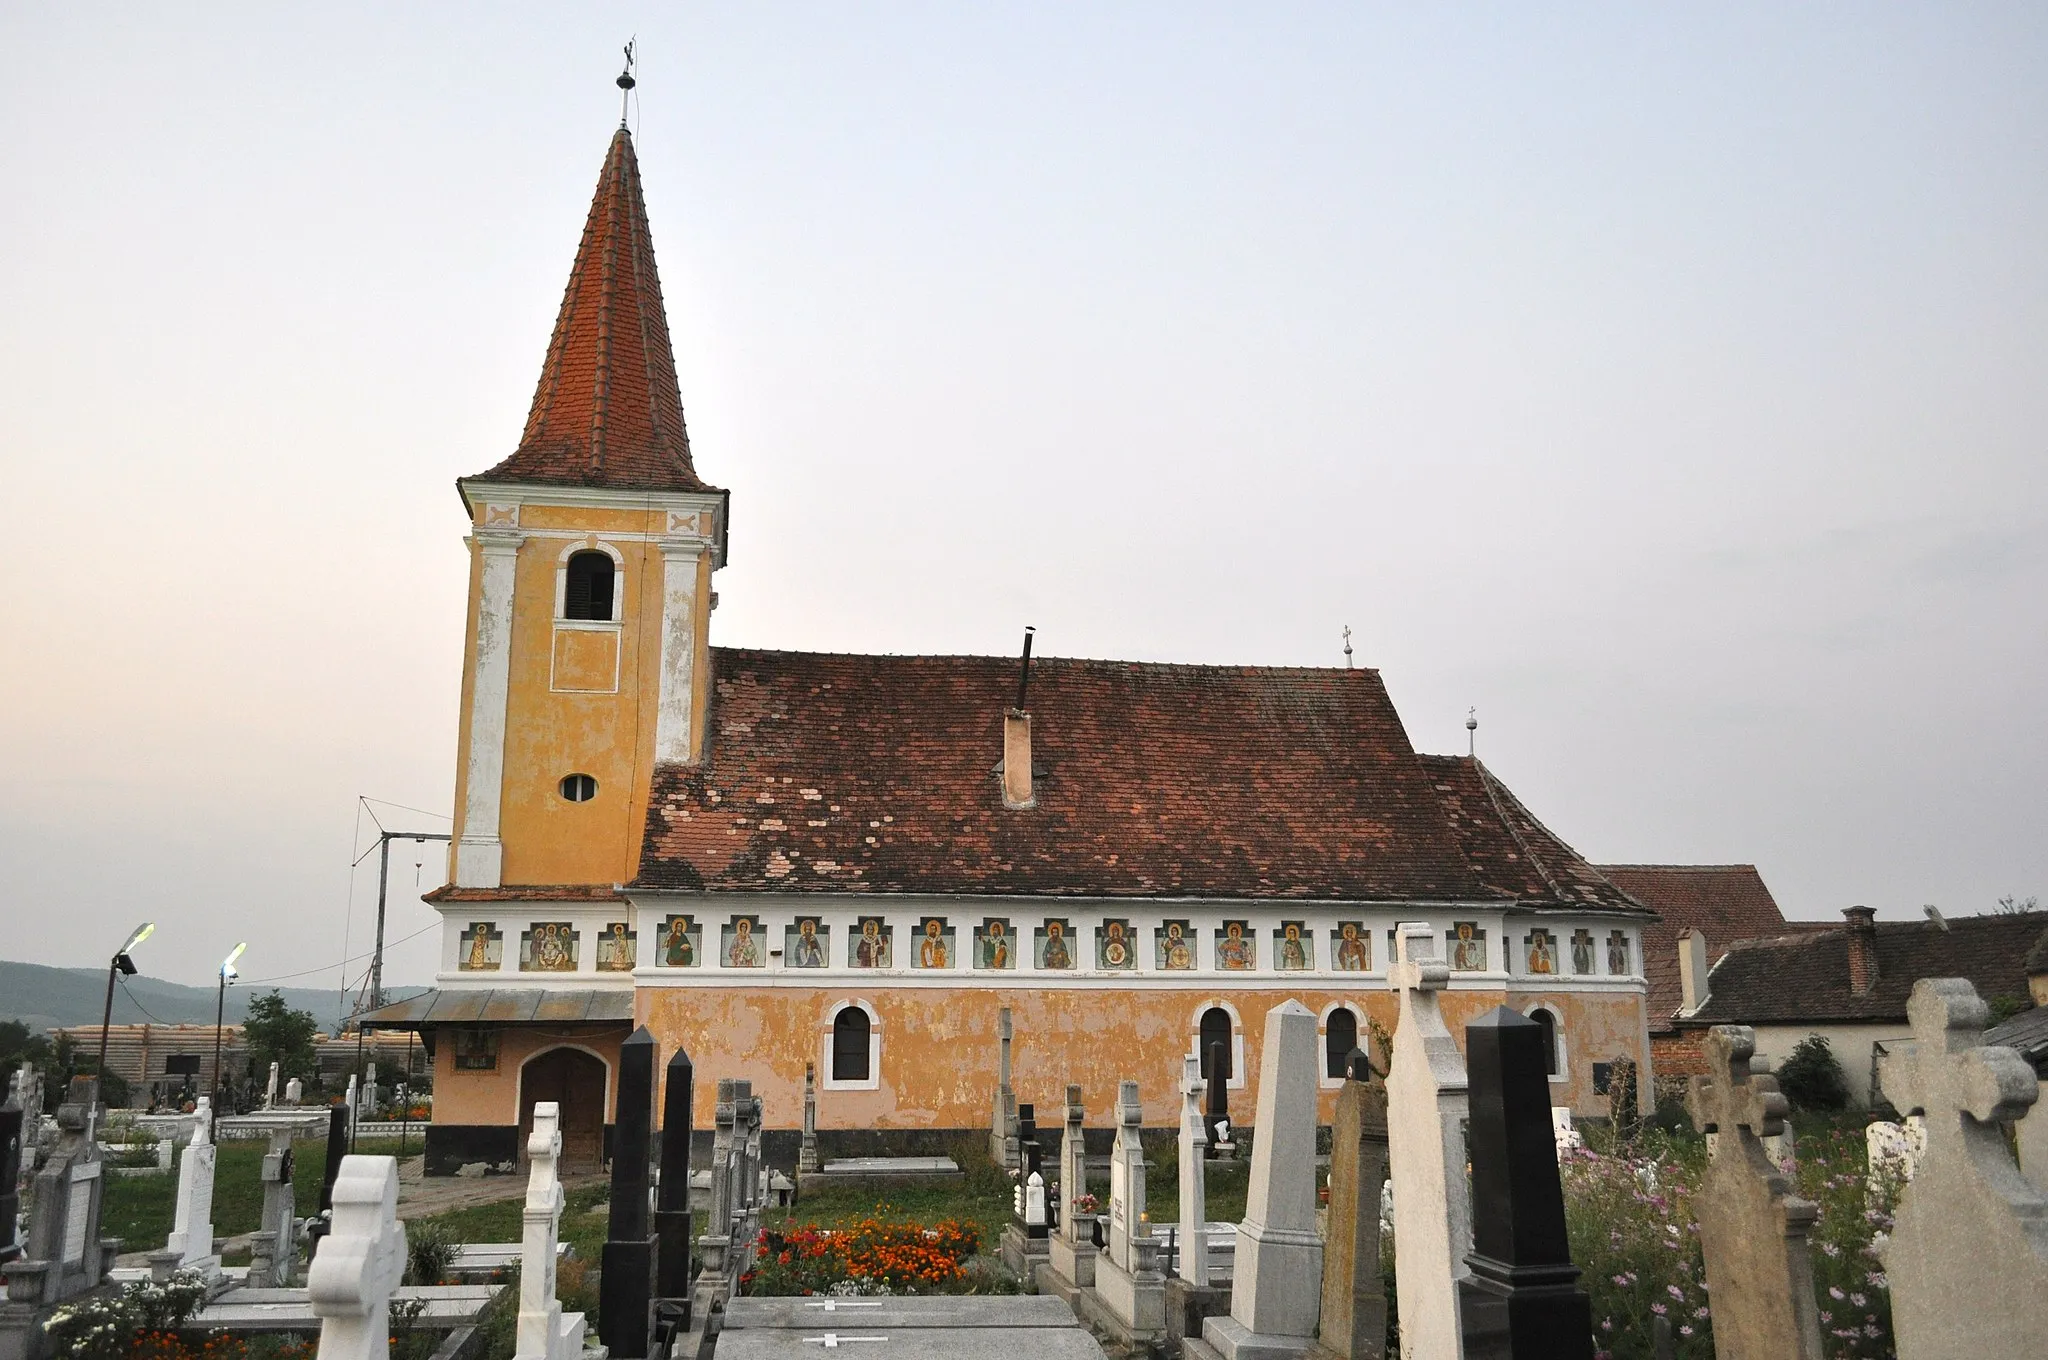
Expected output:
(608, 411)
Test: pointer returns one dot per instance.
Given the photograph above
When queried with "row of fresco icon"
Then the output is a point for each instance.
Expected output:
(552, 946)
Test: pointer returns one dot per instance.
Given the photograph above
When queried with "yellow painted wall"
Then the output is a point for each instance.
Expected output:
(469, 1097)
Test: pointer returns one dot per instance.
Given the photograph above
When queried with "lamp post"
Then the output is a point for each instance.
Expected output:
(119, 965)
(220, 1005)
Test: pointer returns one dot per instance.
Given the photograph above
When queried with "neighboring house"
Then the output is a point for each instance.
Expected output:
(853, 863)
(1850, 983)
(1716, 906)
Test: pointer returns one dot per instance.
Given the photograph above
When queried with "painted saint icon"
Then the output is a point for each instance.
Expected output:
(806, 950)
(1234, 951)
(616, 949)
(483, 948)
(1052, 947)
(679, 942)
(1542, 954)
(1113, 946)
(871, 946)
(1468, 947)
(742, 950)
(1291, 949)
(548, 947)
(1354, 948)
(934, 946)
(1172, 947)
(1582, 951)
(992, 945)
(1617, 953)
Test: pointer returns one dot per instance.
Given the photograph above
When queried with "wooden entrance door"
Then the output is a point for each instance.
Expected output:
(574, 1080)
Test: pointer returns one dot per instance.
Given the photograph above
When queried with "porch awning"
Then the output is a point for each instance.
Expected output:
(504, 1006)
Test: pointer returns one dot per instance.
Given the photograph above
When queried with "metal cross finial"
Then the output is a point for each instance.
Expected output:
(625, 82)
(1471, 731)
(1347, 646)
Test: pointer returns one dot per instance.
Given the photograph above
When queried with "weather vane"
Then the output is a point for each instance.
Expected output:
(625, 81)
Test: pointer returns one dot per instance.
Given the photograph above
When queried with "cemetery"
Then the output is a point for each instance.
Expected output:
(1447, 1211)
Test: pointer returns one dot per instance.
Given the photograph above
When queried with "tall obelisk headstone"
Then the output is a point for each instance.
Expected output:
(626, 1287)
(672, 1205)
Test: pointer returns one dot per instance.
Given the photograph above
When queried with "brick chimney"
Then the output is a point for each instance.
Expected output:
(1692, 970)
(1017, 760)
(1862, 949)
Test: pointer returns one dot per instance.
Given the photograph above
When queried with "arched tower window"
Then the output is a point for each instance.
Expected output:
(1547, 1022)
(850, 1045)
(587, 593)
(1340, 1036)
(1215, 1029)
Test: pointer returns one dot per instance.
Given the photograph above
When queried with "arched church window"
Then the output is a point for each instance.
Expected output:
(587, 593)
(1215, 1029)
(1340, 1036)
(1547, 1022)
(850, 1045)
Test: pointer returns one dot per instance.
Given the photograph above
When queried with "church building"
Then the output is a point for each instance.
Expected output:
(790, 860)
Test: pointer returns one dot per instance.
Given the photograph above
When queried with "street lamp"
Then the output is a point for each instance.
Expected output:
(119, 965)
(227, 975)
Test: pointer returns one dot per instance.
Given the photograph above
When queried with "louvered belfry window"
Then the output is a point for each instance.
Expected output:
(588, 591)
(850, 1045)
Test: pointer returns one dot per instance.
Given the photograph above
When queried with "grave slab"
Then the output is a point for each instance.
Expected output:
(967, 1327)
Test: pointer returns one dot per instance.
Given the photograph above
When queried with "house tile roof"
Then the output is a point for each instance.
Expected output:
(1510, 850)
(1804, 978)
(607, 411)
(1725, 902)
(877, 774)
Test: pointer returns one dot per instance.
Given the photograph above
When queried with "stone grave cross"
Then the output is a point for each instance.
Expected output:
(1193, 1262)
(1003, 1136)
(1968, 1258)
(192, 1221)
(275, 1247)
(270, 1089)
(807, 1151)
(1752, 1226)
(1071, 1252)
(1427, 1103)
(359, 1263)
(543, 1332)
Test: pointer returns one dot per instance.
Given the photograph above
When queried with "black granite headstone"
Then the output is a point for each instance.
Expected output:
(672, 1203)
(337, 1148)
(1522, 1298)
(625, 1315)
(11, 1121)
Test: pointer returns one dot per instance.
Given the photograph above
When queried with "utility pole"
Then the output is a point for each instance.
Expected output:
(383, 886)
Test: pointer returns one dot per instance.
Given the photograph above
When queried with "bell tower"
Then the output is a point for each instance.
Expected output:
(591, 553)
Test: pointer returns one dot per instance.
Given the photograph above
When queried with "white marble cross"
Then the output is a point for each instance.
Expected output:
(1427, 1102)
(359, 1263)
(1193, 1265)
(192, 1219)
(544, 1333)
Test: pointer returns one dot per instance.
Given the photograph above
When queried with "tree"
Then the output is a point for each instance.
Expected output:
(20, 1044)
(1811, 1078)
(275, 1033)
(2011, 905)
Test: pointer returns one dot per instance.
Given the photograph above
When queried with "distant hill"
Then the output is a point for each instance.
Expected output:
(42, 998)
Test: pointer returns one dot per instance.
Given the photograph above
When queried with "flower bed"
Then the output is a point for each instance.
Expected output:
(1634, 1236)
(865, 1257)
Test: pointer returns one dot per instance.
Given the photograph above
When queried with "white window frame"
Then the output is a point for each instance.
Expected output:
(1323, 1078)
(874, 1081)
(1564, 1048)
(1236, 1081)
(562, 584)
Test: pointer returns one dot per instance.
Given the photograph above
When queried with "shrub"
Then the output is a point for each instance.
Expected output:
(1811, 1078)
(429, 1251)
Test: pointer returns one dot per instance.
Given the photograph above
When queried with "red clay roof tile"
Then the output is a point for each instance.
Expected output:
(1725, 902)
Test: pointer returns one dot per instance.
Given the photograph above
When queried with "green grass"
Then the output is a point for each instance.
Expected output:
(140, 1209)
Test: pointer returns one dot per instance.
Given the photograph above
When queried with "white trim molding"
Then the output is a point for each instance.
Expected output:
(1237, 1079)
(674, 742)
(874, 1081)
(480, 854)
(1364, 1040)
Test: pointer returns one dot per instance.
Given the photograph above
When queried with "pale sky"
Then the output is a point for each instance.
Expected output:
(1666, 385)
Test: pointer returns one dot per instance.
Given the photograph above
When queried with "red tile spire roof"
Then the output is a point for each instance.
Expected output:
(608, 411)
